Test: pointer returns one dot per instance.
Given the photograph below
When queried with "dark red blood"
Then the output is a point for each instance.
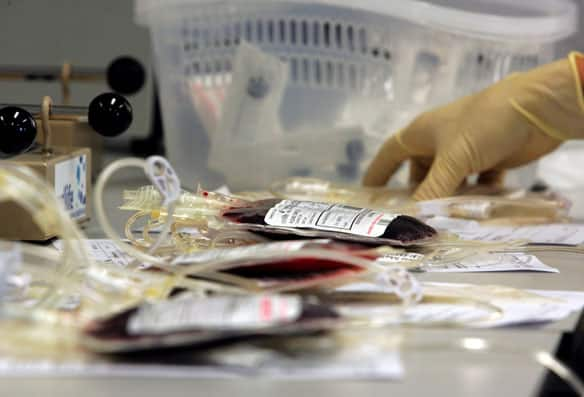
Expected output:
(303, 267)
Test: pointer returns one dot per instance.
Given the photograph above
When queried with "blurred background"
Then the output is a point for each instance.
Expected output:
(82, 32)
(93, 33)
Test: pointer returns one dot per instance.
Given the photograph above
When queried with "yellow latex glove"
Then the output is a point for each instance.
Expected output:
(507, 125)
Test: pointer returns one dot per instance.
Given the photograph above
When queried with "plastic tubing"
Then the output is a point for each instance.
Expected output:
(102, 180)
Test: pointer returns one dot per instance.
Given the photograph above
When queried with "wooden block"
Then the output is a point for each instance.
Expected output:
(68, 171)
(74, 131)
(20, 225)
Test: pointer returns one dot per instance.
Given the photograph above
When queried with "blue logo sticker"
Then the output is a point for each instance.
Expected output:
(80, 178)
(67, 197)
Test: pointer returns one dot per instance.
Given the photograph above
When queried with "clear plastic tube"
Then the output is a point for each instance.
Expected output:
(140, 256)
(313, 189)
(484, 207)
(22, 186)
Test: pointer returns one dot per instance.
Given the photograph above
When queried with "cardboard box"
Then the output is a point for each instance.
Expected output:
(74, 131)
(68, 171)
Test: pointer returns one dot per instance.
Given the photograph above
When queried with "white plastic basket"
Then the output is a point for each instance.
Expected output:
(353, 73)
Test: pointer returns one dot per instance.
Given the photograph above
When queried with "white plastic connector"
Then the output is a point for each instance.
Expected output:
(164, 178)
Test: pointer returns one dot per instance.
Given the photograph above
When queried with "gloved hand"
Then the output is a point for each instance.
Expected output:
(509, 124)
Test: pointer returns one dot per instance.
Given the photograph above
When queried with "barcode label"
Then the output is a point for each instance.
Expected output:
(385, 222)
(330, 217)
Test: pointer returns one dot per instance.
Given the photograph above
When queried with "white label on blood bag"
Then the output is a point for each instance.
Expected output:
(331, 217)
(400, 257)
(71, 185)
(226, 254)
(215, 313)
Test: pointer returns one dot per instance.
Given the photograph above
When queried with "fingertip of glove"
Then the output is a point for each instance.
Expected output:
(576, 60)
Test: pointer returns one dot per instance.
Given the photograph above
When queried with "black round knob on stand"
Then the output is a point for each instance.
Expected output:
(18, 131)
(125, 75)
(109, 114)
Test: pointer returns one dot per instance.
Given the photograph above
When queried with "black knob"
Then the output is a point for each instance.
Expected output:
(126, 75)
(110, 114)
(18, 131)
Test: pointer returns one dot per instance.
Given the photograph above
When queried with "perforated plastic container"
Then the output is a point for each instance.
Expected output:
(254, 91)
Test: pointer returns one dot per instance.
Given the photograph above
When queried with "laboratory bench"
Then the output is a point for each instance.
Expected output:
(433, 361)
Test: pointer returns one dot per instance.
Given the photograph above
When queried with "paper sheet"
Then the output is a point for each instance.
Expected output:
(491, 263)
(16, 368)
(559, 233)
(572, 299)
(549, 306)
(370, 361)
(102, 250)
(363, 364)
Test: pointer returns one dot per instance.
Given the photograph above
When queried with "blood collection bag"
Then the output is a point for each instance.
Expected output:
(190, 321)
(281, 266)
(342, 222)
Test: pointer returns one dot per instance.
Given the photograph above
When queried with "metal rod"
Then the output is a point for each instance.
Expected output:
(56, 110)
(51, 73)
(124, 75)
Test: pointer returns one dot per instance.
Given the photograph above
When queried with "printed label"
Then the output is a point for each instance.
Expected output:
(226, 254)
(400, 257)
(490, 263)
(221, 312)
(70, 185)
(102, 250)
(331, 217)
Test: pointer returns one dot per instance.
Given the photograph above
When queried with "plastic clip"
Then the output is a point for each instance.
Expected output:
(400, 282)
(164, 178)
